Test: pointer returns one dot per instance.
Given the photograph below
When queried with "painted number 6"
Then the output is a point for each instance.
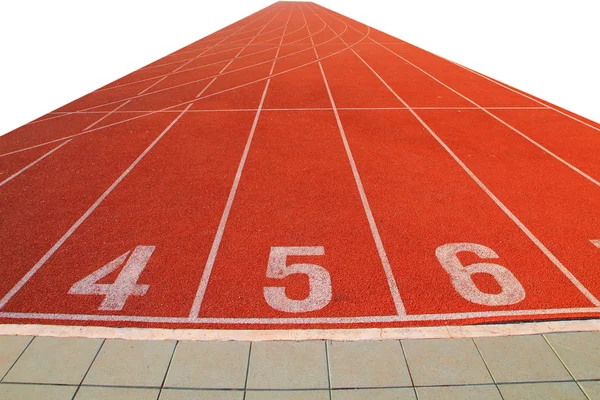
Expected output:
(319, 281)
(461, 275)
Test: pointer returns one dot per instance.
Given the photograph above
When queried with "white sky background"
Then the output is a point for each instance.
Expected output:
(52, 52)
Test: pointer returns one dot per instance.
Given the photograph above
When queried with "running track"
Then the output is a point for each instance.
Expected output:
(299, 169)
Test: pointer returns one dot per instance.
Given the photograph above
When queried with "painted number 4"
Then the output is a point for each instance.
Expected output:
(117, 293)
(319, 281)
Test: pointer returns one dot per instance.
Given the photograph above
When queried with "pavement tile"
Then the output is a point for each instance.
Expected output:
(288, 365)
(209, 365)
(367, 364)
(109, 393)
(191, 394)
(54, 360)
(131, 363)
(288, 395)
(46, 392)
(374, 394)
(471, 392)
(580, 351)
(542, 390)
(592, 389)
(10, 349)
(445, 362)
(521, 359)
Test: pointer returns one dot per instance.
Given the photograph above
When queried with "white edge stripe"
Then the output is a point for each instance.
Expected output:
(451, 331)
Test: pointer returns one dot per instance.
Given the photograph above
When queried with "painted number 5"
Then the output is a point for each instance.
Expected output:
(461, 275)
(319, 281)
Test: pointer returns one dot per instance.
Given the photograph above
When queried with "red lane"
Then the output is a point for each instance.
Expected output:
(407, 81)
(559, 206)
(143, 74)
(352, 84)
(102, 98)
(475, 87)
(206, 60)
(246, 97)
(569, 139)
(297, 189)
(173, 200)
(247, 59)
(15, 162)
(44, 131)
(421, 200)
(40, 206)
(174, 90)
(291, 90)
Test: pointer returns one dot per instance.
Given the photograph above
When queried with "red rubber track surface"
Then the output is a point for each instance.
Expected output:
(406, 190)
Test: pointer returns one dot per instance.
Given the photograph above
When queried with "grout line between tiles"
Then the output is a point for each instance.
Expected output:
(17, 359)
(247, 370)
(488, 368)
(328, 368)
(162, 385)
(566, 367)
(412, 382)
(88, 369)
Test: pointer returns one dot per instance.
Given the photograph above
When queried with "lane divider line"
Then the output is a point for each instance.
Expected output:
(495, 199)
(13, 176)
(81, 219)
(393, 286)
(212, 256)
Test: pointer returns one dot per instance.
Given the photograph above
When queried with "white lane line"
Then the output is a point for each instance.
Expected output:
(184, 102)
(304, 109)
(13, 176)
(393, 286)
(523, 94)
(183, 65)
(105, 116)
(80, 221)
(212, 256)
(89, 128)
(199, 80)
(495, 199)
(303, 320)
(219, 236)
(538, 145)
(188, 61)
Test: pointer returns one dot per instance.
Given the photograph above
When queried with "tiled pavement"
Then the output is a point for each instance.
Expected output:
(550, 366)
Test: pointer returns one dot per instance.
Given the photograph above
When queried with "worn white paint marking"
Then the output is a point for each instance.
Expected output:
(393, 286)
(319, 280)
(82, 219)
(462, 275)
(596, 242)
(13, 176)
(117, 293)
(495, 199)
